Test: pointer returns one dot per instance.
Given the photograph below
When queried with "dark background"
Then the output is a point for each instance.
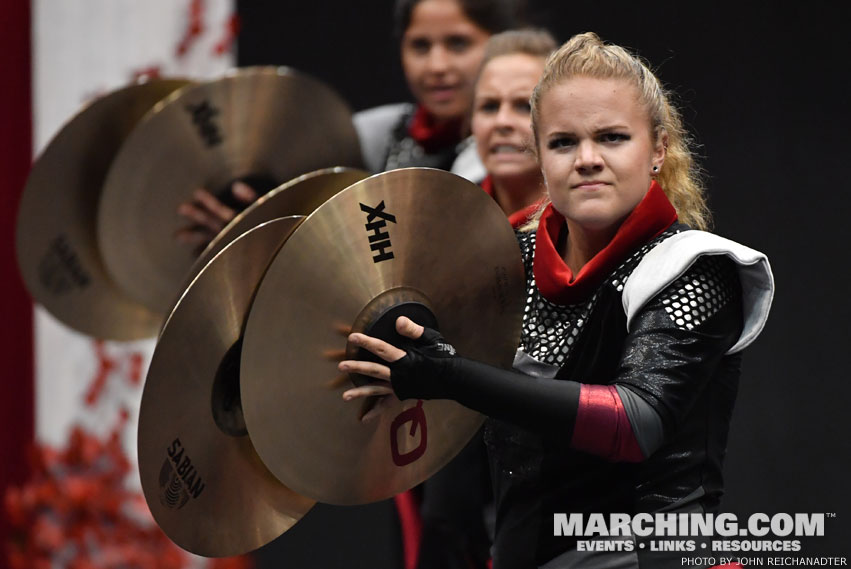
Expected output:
(764, 89)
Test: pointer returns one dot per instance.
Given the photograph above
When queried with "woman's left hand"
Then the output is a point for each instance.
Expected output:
(387, 352)
(206, 215)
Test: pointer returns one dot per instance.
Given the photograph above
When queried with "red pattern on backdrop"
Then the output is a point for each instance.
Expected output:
(231, 31)
(77, 510)
(74, 508)
(194, 27)
(106, 366)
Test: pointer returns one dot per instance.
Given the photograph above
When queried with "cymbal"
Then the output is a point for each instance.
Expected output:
(414, 241)
(204, 483)
(265, 123)
(56, 240)
(299, 196)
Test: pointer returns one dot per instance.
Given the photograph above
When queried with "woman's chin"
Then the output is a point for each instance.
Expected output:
(513, 171)
(445, 110)
(595, 220)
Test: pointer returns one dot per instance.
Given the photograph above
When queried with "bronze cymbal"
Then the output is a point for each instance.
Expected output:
(204, 483)
(297, 197)
(56, 239)
(425, 241)
(265, 123)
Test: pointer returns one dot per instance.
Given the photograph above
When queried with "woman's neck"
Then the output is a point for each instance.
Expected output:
(517, 192)
(459, 124)
(583, 244)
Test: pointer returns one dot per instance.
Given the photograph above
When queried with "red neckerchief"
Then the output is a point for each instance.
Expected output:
(555, 280)
(430, 134)
(519, 217)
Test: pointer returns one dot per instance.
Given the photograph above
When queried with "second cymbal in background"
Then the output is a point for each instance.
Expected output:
(56, 237)
(299, 196)
(266, 123)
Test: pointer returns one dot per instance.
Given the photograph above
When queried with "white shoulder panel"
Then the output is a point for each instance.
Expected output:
(669, 260)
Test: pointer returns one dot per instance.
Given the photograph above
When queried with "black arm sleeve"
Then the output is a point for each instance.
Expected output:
(430, 370)
(666, 360)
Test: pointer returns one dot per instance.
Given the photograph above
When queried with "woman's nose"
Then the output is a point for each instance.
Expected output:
(588, 156)
(504, 119)
(438, 59)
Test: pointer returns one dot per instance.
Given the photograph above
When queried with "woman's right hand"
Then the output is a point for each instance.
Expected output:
(381, 386)
(207, 216)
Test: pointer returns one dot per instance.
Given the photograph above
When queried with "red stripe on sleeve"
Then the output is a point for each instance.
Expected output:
(602, 426)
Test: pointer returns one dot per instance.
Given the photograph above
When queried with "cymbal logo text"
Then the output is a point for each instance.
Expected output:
(179, 480)
(60, 269)
(203, 115)
(376, 220)
(416, 416)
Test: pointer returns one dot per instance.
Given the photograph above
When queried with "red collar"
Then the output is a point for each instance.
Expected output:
(555, 280)
(430, 134)
(517, 218)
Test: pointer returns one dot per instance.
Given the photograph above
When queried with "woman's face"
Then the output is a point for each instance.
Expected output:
(441, 54)
(501, 123)
(597, 150)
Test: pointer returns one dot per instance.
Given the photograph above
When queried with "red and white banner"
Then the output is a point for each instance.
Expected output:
(81, 50)
(81, 506)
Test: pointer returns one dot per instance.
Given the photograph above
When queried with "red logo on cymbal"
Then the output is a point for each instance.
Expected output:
(416, 416)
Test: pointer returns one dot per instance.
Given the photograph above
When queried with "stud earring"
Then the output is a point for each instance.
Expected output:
(655, 169)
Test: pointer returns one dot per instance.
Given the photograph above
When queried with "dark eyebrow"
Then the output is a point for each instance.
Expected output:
(610, 128)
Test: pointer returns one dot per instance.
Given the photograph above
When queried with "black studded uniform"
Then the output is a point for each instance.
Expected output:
(622, 390)
(537, 474)
(386, 144)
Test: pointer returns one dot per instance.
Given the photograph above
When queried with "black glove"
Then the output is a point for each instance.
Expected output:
(421, 373)
(432, 370)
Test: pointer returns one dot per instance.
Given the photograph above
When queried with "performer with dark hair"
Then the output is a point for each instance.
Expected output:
(624, 382)
(442, 43)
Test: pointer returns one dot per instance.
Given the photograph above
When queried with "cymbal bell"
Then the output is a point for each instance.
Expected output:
(201, 477)
(425, 242)
(299, 196)
(269, 123)
(56, 241)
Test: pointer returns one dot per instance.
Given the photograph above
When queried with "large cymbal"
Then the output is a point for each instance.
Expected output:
(56, 238)
(268, 123)
(297, 197)
(204, 483)
(418, 236)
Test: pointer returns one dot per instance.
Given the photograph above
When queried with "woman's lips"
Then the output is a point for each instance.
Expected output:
(442, 93)
(590, 186)
(506, 149)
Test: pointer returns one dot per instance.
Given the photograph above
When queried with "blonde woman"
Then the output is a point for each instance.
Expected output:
(501, 122)
(625, 379)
